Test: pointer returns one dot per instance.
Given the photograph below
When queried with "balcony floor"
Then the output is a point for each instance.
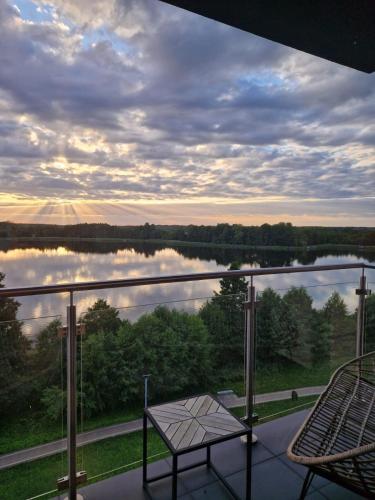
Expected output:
(274, 476)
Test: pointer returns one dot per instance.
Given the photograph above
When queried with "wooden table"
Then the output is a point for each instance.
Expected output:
(191, 424)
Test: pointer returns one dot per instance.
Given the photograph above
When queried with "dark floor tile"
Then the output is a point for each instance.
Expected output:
(230, 456)
(214, 491)
(315, 495)
(277, 435)
(273, 480)
(334, 492)
(317, 482)
(195, 479)
(323, 485)
(237, 481)
(116, 488)
(162, 489)
(129, 485)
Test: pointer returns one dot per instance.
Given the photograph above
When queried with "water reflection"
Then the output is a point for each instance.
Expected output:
(222, 256)
(38, 263)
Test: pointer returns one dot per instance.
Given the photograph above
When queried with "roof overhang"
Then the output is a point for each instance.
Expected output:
(342, 31)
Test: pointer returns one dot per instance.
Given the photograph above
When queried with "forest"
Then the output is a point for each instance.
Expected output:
(185, 352)
(283, 234)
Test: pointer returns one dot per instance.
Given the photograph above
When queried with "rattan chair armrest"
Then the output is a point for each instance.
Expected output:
(326, 459)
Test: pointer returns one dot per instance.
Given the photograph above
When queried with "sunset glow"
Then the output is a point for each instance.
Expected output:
(130, 111)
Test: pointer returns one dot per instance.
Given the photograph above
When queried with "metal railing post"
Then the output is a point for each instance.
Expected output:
(72, 399)
(250, 350)
(250, 305)
(360, 333)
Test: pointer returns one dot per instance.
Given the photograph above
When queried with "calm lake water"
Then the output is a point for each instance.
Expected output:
(40, 263)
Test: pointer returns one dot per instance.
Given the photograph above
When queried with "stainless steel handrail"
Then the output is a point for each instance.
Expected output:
(178, 278)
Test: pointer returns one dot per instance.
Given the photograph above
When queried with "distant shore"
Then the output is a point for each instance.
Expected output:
(181, 243)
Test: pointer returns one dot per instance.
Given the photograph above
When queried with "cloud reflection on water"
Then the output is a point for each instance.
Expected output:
(45, 266)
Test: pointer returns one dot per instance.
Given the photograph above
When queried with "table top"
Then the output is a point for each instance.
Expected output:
(192, 422)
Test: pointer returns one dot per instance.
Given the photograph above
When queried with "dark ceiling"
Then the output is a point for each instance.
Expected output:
(342, 31)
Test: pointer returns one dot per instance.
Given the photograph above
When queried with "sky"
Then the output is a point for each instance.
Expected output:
(127, 111)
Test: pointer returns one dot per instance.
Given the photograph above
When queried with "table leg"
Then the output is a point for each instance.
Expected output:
(174, 478)
(208, 456)
(144, 449)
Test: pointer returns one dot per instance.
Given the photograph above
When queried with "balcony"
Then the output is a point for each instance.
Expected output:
(274, 476)
(232, 328)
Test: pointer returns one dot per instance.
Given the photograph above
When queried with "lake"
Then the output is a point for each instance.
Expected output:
(41, 263)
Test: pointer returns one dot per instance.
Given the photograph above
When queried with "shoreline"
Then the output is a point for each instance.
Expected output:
(181, 243)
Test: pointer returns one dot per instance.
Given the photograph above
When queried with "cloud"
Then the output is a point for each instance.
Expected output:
(138, 100)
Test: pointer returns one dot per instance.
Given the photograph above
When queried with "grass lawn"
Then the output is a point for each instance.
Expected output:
(291, 378)
(31, 479)
(28, 431)
(278, 378)
(34, 478)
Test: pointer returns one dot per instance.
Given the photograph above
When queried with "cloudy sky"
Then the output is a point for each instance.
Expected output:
(129, 111)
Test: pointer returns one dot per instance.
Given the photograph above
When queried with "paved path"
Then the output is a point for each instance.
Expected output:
(45, 450)
(233, 401)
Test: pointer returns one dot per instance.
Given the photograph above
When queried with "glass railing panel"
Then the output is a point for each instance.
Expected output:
(188, 342)
(32, 403)
(186, 347)
(303, 333)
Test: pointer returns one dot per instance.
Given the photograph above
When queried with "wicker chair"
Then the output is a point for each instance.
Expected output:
(337, 440)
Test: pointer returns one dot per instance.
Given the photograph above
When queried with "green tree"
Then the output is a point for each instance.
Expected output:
(54, 403)
(224, 317)
(234, 287)
(101, 317)
(342, 326)
(215, 318)
(299, 304)
(101, 372)
(49, 352)
(174, 348)
(277, 329)
(335, 309)
(13, 356)
(320, 336)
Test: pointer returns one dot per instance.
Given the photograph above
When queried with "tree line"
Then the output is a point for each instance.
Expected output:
(281, 234)
(185, 353)
(223, 255)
